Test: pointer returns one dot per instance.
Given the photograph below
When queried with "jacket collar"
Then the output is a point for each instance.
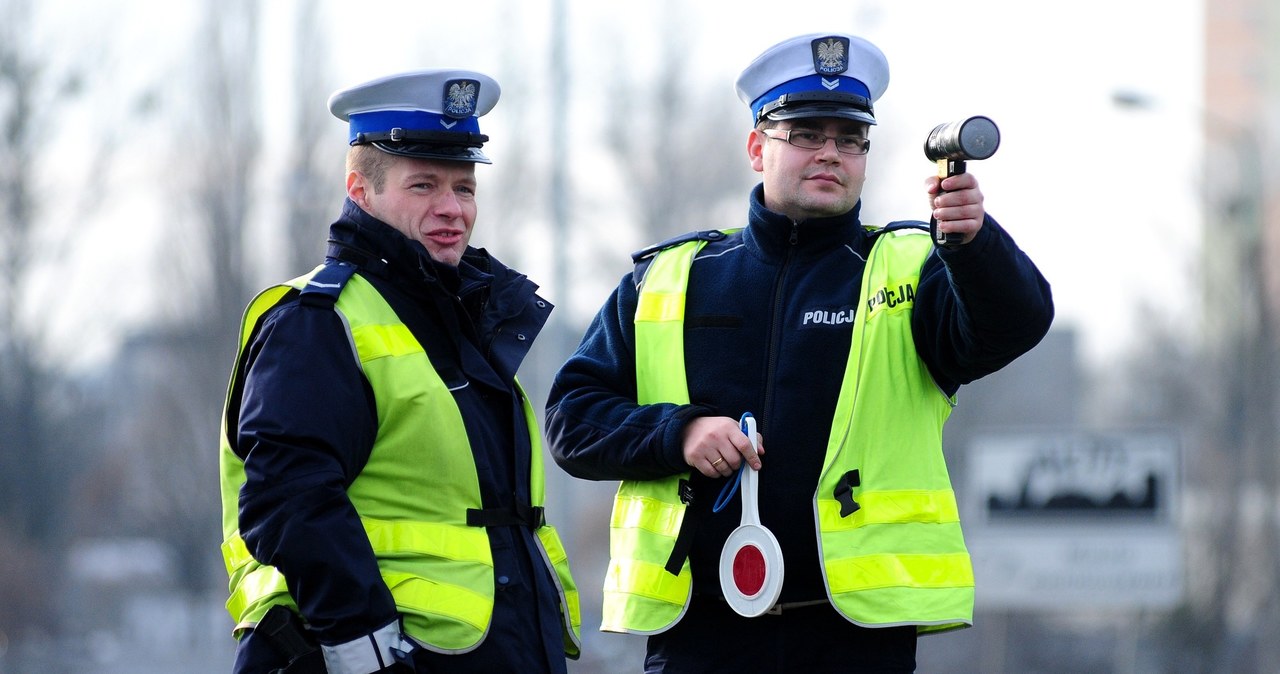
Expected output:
(384, 251)
(775, 234)
(406, 263)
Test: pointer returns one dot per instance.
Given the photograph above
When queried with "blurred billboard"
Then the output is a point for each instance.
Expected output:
(1075, 519)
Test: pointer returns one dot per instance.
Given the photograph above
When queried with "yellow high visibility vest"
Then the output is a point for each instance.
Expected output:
(439, 569)
(898, 556)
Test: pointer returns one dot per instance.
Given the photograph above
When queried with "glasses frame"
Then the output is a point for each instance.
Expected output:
(863, 148)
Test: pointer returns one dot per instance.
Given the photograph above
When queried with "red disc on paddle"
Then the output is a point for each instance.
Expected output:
(748, 570)
(751, 564)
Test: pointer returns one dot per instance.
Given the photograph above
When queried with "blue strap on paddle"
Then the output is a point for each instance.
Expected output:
(731, 487)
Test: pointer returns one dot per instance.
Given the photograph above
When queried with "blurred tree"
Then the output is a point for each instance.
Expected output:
(22, 79)
(1222, 393)
(207, 282)
(37, 458)
(314, 172)
(682, 171)
(1234, 603)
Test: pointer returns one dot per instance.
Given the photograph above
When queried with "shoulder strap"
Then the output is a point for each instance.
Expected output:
(323, 289)
(644, 257)
(703, 235)
(325, 285)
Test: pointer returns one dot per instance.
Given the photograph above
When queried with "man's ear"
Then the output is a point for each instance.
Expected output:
(358, 189)
(755, 149)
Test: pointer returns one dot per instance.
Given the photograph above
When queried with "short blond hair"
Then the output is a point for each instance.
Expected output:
(370, 162)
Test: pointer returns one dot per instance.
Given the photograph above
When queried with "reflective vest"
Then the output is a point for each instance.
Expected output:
(888, 525)
(439, 569)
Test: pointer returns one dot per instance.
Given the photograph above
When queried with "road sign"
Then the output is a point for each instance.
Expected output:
(1075, 519)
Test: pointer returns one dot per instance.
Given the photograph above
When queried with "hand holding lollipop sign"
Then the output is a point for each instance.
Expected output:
(751, 566)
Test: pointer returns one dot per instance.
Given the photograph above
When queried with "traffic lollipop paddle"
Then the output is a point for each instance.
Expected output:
(751, 562)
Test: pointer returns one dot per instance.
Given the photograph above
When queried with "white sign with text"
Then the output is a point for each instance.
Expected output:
(1075, 519)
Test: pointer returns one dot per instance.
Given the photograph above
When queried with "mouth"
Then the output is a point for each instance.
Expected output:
(827, 177)
(444, 237)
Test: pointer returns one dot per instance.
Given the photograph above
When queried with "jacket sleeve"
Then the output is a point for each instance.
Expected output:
(306, 428)
(595, 428)
(979, 307)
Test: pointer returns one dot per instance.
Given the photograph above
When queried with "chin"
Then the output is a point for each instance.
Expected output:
(449, 257)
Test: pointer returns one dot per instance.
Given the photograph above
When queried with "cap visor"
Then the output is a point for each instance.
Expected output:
(819, 110)
(437, 152)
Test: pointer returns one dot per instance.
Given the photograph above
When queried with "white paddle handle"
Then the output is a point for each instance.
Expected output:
(750, 507)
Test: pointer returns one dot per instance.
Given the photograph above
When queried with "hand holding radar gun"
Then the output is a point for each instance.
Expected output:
(951, 145)
(751, 561)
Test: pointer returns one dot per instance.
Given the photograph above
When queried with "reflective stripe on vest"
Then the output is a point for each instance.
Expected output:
(438, 569)
(640, 596)
(900, 557)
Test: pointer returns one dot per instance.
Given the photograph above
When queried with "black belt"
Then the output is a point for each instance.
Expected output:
(531, 517)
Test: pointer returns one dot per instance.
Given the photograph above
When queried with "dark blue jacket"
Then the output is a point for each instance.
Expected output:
(306, 424)
(760, 336)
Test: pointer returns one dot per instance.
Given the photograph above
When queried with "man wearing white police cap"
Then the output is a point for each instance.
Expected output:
(816, 76)
(431, 114)
(381, 468)
(847, 343)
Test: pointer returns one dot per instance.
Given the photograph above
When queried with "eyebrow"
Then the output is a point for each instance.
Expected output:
(435, 176)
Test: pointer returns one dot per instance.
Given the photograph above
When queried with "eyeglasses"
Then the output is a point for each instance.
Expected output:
(812, 140)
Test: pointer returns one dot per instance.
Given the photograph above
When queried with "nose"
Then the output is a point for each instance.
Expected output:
(828, 150)
(448, 205)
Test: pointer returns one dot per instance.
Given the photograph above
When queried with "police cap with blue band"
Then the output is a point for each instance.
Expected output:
(815, 75)
(429, 114)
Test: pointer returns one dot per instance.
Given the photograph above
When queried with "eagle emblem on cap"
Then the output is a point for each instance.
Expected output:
(460, 97)
(831, 55)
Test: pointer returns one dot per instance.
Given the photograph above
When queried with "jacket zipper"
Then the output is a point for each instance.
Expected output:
(775, 327)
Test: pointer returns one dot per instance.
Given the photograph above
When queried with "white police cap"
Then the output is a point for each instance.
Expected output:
(815, 75)
(431, 114)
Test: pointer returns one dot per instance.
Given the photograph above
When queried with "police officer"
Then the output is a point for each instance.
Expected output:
(381, 468)
(847, 342)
